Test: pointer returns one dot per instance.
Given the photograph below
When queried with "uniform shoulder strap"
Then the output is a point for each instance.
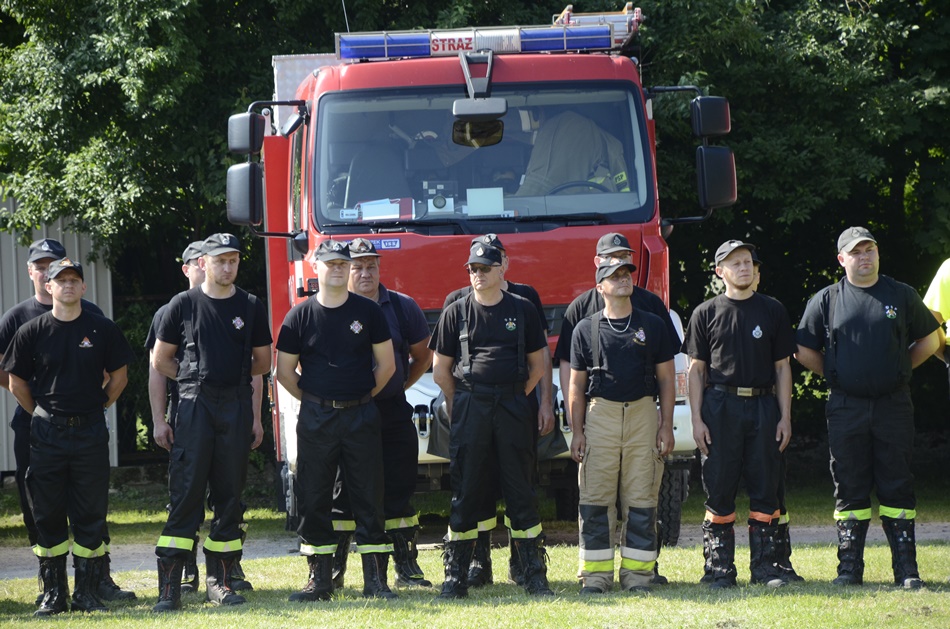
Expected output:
(595, 348)
(831, 371)
(249, 323)
(466, 358)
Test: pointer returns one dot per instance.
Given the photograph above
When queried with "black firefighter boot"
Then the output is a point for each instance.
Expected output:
(169, 584)
(239, 580)
(405, 553)
(55, 597)
(320, 585)
(456, 557)
(851, 537)
(88, 571)
(719, 541)
(534, 560)
(783, 550)
(515, 569)
(375, 566)
(108, 590)
(480, 570)
(189, 577)
(339, 558)
(763, 566)
(218, 580)
(903, 543)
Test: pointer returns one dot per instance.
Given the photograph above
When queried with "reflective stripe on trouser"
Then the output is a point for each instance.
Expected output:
(68, 482)
(328, 438)
(743, 446)
(871, 444)
(482, 424)
(620, 463)
(212, 445)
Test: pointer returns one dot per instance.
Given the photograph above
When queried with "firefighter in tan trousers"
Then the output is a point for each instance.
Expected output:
(621, 361)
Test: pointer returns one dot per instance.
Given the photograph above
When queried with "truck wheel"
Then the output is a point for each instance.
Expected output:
(669, 510)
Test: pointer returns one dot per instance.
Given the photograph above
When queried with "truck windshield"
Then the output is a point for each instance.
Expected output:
(567, 152)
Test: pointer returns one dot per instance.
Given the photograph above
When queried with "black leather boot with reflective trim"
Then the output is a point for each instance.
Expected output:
(763, 564)
(480, 570)
(851, 537)
(218, 580)
(456, 557)
(375, 567)
(320, 585)
(719, 541)
(108, 590)
(88, 571)
(55, 596)
(405, 554)
(534, 559)
(169, 584)
(902, 539)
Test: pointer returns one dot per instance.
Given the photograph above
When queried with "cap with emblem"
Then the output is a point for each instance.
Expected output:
(850, 237)
(46, 248)
(60, 266)
(481, 253)
(729, 246)
(362, 248)
(217, 244)
(612, 243)
(491, 240)
(606, 270)
(332, 250)
(192, 251)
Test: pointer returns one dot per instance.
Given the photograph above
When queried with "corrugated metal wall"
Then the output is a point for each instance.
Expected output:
(15, 286)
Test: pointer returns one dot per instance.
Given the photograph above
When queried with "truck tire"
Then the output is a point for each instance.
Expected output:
(669, 509)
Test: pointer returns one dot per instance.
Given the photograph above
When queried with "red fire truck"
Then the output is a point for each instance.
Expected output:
(420, 140)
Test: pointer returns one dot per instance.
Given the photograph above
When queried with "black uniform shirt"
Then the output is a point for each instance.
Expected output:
(590, 302)
(64, 360)
(627, 359)
(417, 329)
(335, 345)
(493, 337)
(873, 329)
(27, 310)
(220, 330)
(522, 290)
(740, 340)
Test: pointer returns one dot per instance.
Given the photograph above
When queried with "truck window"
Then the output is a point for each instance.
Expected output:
(568, 151)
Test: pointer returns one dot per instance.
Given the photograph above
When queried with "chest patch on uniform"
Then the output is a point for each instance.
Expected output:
(86, 343)
(757, 332)
(640, 337)
(356, 327)
(237, 322)
(890, 312)
(511, 324)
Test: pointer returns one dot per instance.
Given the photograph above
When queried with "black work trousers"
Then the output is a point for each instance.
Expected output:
(349, 438)
(743, 445)
(492, 424)
(871, 443)
(68, 479)
(213, 434)
(21, 454)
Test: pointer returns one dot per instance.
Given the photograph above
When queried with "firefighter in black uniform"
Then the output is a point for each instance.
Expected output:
(740, 385)
(42, 253)
(227, 340)
(542, 406)
(56, 364)
(163, 400)
(865, 335)
(489, 354)
(410, 332)
(611, 248)
(336, 337)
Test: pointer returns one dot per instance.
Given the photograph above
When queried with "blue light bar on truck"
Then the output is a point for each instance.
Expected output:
(503, 40)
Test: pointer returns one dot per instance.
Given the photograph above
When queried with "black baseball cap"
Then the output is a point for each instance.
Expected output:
(217, 244)
(606, 270)
(332, 250)
(850, 237)
(362, 248)
(613, 242)
(731, 245)
(481, 253)
(46, 248)
(64, 264)
(192, 251)
(491, 240)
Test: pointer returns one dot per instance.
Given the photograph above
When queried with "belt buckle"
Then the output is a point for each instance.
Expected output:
(337, 404)
(744, 391)
(72, 422)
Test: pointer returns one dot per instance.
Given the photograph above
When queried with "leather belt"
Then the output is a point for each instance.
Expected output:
(491, 389)
(68, 421)
(316, 399)
(743, 391)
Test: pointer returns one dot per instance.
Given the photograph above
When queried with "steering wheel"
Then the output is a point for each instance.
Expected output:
(578, 184)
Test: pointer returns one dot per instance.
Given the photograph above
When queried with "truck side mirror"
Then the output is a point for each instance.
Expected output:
(710, 116)
(245, 194)
(246, 133)
(716, 177)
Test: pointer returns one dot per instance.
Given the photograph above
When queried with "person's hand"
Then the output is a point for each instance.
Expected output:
(783, 434)
(701, 436)
(545, 420)
(257, 431)
(163, 434)
(578, 446)
(665, 440)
